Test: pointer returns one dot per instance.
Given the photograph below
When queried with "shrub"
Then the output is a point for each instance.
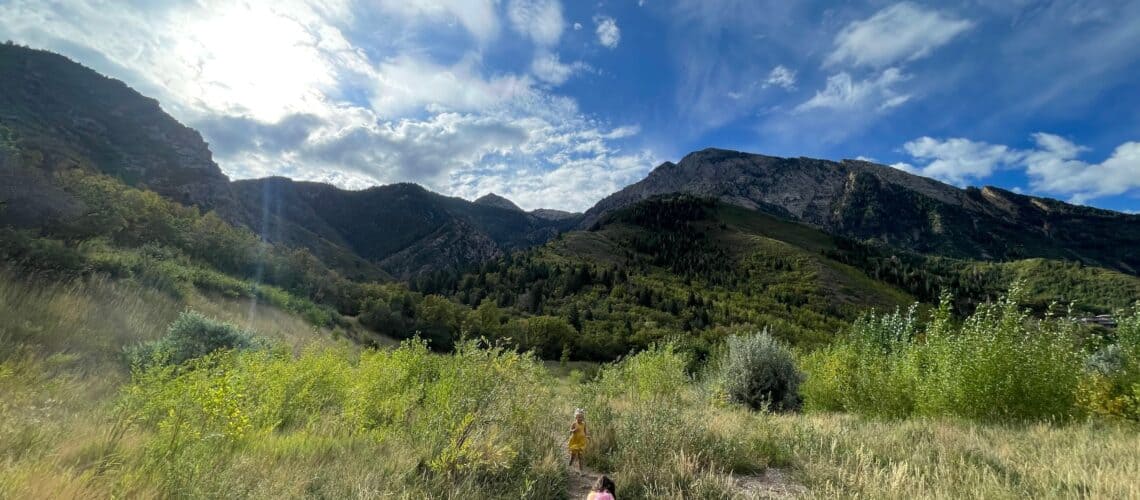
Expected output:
(191, 336)
(1111, 386)
(760, 372)
(469, 425)
(997, 364)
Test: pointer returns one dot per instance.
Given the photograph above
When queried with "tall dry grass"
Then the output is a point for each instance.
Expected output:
(61, 369)
(846, 456)
(332, 421)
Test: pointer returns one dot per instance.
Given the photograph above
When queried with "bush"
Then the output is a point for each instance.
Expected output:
(192, 336)
(1111, 386)
(469, 425)
(760, 372)
(999, 364)
(662, 435)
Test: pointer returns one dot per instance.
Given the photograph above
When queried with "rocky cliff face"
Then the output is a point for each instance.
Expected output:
(867, 201)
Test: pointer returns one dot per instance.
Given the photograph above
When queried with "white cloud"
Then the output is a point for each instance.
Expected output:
(573, 185)
(781, 77)
(540, 20)
(899, 33)
(548, 68)
(844, 93)
(959, 161)
(906, 167)
(607, 30)
(477, 16)
(577, 26)
(203, 56)
(1052, 165)
(409, 83)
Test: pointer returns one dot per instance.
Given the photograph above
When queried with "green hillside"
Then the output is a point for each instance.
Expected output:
(677, 267)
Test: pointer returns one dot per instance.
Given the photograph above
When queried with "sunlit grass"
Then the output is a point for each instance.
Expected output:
(333, 421)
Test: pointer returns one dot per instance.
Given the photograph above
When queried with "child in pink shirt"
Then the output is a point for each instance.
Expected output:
(603, 489)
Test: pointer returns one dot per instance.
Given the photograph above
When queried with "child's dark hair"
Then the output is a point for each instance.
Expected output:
(604, 483)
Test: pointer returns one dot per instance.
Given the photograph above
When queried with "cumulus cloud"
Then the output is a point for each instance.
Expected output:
(407, 83)
(589, 177)
(1052, 165)
(607, 30)
(781, 77)
(843, 92)
(957, 160)
(539, 20)
(899, 33)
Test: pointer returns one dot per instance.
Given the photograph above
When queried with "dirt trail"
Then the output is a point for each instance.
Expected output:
(580, 483)
(771, 484)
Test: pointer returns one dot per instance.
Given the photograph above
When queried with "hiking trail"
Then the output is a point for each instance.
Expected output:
(776, 484)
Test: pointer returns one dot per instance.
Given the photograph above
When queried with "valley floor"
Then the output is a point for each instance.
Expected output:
(65, 432)
(54, 447)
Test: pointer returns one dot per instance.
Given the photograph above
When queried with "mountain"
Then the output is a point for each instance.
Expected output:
(404, 228)
(673, 264)
(698, 269)
(494, 200)
(551, 214)
(866, 201)
(57, 115)
(64, 115)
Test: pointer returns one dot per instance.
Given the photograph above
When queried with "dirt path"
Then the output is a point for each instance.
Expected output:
(774, 484)
(580, 483)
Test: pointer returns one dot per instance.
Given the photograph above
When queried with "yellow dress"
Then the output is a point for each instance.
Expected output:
(577, 442)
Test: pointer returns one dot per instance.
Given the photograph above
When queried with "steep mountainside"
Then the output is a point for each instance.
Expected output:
(405, 228)
(64, 115)
(874, 202)
(675, 265)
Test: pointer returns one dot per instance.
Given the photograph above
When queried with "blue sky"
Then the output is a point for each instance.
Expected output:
(558, 103)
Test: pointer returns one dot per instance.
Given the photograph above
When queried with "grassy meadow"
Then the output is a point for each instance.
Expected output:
(310, 415)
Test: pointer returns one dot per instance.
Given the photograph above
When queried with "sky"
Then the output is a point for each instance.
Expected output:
(557, 104)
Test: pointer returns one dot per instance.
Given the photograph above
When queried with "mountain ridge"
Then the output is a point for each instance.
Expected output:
(867, 201)
(58, 114)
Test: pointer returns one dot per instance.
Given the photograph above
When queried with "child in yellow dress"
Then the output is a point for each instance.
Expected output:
(578, 437)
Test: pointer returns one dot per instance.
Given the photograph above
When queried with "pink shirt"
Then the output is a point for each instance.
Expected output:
(602, 495)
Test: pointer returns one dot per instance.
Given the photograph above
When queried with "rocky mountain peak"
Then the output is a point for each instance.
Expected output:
(868, 201)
